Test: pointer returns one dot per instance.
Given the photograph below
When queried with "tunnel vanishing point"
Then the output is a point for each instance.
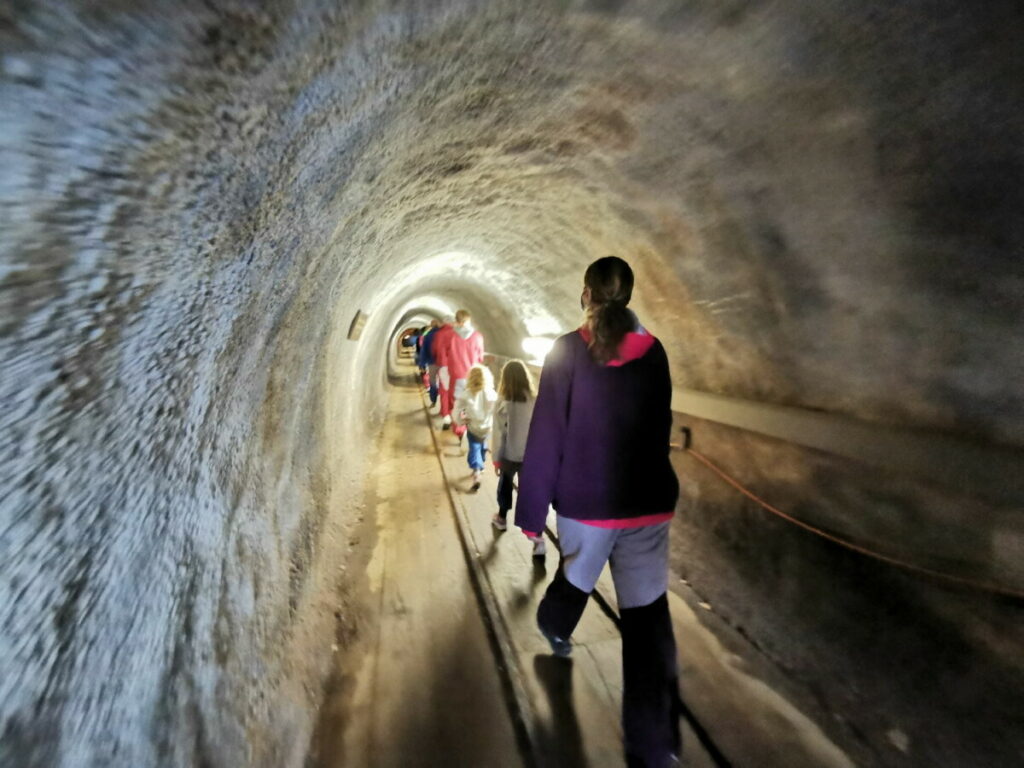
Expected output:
(822, 202)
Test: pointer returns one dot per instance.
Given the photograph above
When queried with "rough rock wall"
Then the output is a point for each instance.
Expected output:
(196, 197)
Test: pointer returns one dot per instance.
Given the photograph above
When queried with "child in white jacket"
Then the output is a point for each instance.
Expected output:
(511, 424)
(475, 409)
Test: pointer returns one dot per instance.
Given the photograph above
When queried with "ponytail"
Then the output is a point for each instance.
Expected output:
(609, 324)
(610, 281)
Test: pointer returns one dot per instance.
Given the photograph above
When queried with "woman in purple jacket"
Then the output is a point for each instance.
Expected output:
(598, 451)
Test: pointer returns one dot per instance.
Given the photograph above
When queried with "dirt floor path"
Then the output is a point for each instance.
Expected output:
(418, 684)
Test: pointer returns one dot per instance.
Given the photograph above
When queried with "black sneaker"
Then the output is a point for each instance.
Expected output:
(559, 646)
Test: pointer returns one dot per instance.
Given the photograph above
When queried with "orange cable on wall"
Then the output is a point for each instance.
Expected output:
(982, 585)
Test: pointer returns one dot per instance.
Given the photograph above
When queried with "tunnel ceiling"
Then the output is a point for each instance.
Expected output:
(790, 179)
(821, 201)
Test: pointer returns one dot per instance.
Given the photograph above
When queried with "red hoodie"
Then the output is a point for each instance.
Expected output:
(458, 354)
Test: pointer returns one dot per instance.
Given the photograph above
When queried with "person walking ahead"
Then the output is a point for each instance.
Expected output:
(439, 341)
(598, 451)
(425, 360)
(455, 353)
(474, 410)
(511, 426)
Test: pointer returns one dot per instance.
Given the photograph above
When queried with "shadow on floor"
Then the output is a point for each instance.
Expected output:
(523, 599)
(561, 740)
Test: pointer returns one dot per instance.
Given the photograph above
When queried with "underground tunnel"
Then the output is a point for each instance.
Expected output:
(216, 217)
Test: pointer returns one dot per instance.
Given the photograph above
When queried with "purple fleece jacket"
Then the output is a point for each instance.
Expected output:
(598, 447)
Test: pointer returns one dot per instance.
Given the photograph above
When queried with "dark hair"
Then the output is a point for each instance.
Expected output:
(610, 281)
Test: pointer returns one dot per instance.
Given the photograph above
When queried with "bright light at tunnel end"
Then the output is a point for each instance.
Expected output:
(537, 348)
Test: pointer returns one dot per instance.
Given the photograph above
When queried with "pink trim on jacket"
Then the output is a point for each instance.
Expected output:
(620, 523)
(630, 522)
(633, 346)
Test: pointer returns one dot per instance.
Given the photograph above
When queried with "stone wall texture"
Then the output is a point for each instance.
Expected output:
(821, 199)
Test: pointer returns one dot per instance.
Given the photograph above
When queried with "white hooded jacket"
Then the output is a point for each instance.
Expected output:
(476, 411)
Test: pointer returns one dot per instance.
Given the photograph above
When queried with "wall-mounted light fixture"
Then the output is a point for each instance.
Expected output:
(358, 322)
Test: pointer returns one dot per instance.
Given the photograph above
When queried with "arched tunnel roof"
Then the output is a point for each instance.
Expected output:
(821, 201)
(749, 164)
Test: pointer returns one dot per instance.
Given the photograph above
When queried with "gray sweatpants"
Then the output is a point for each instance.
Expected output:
(638, 558)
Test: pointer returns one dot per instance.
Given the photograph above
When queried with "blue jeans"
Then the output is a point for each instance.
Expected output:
(477, 451)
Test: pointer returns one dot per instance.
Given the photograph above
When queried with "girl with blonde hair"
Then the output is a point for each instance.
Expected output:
(475, 410)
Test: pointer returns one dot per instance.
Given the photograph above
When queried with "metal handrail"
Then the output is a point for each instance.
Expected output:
(988, 471)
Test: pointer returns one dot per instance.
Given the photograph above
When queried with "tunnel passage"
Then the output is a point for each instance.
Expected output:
(822, 206)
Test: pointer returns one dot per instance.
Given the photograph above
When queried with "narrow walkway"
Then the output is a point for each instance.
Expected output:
(572, 706)
(417, 685)
(445, 667)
